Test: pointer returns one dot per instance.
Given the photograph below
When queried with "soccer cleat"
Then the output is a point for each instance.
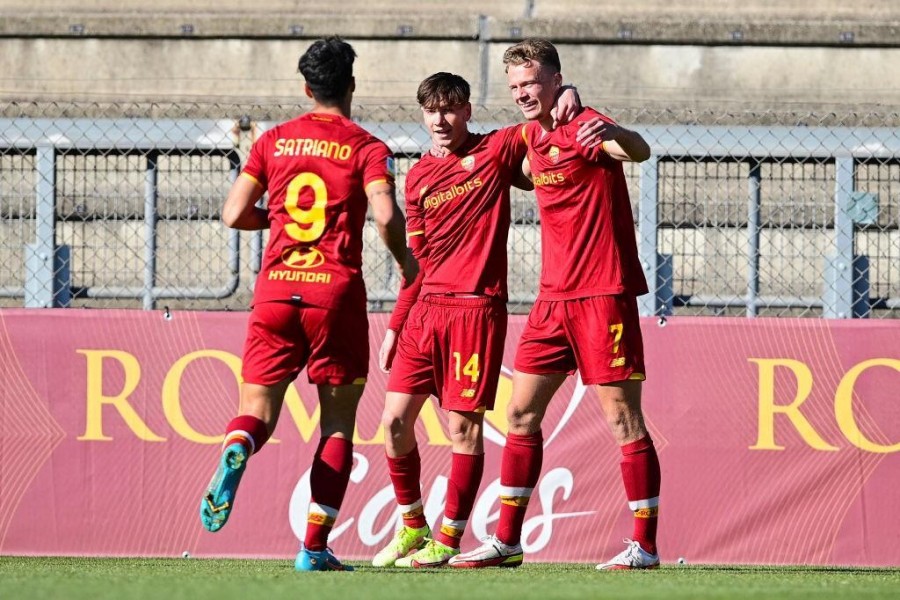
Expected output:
(216, 505)
(406, 541)
(434, 554)
(632, 557)
(491, 553)
(323, 560)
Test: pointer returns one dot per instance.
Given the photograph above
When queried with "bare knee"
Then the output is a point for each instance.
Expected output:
(399, 421)
(466, 433)
(523, 420)
(621, 403)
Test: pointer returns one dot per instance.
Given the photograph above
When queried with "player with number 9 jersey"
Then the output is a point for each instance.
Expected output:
(316, 169)
(321, 172)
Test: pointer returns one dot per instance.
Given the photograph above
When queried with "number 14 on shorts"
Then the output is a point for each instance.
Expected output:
(470, 368)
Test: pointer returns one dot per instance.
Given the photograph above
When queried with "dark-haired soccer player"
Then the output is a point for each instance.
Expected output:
(451, 343)
(585, 316)
(321, 171)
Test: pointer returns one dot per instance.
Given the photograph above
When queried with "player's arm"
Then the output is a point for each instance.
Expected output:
(391, 226)
(567, 107)
(240, 210)
(409, 294)
(617, 141)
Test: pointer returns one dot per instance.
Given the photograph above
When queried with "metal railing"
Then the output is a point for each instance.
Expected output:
(730, 219)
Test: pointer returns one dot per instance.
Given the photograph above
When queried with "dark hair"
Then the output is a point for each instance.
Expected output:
(534, 49)
(327, 67)
(443, 89)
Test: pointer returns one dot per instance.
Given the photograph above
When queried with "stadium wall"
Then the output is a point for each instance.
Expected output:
(755, 54)
(778, 440)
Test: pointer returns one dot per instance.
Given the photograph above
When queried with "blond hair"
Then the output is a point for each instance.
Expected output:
(533, 50)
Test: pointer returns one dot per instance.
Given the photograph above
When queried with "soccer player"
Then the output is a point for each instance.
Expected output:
(585, 317)
(309, 305)
(451, 341)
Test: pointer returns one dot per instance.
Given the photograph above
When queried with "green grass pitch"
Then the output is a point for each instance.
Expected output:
(178, 578)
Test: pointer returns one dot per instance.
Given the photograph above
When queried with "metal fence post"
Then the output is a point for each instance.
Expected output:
(647, 234)
(837, 297)
(754, 202)
(46, 266)
(151, 193)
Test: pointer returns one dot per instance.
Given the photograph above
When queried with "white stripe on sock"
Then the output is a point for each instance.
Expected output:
(648, 503)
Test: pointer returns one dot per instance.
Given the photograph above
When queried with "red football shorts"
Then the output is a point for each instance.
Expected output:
(599, 336)
(282, 338)
(452, 347)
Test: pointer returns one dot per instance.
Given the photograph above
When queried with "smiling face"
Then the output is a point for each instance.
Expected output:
(534, 88)
(447, 124)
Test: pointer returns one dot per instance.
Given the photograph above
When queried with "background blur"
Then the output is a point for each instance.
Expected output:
(774, 188)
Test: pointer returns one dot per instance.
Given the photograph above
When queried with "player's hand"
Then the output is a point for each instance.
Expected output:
(594, 132)
(438, 151)
(567, 106)
(387, 350)
(409, 270)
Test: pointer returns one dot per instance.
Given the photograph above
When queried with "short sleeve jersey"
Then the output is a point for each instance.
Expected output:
(460, 205)
(316, 169)
(588, 244)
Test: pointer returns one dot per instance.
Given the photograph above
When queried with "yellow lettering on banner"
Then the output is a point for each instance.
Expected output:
(497, 417)
(768, 409)
(306, 423)
(376, 440)
(432, 424)
(96, 400)
(843, 406)
(171, 393)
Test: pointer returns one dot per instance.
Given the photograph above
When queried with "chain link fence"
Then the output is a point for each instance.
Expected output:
(742, 213)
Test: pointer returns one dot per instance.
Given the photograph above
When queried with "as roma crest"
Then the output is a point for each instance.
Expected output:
(467, 163)
(554, 154)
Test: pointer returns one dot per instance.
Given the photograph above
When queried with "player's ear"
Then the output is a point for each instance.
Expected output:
(468, 111)
(352, 84)
(307, 91)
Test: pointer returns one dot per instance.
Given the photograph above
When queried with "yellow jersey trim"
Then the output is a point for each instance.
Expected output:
(373, 182)
(251, 178)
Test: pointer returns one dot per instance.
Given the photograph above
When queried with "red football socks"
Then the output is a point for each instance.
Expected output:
(520, 469)
(465, 477)
(248, 431)
(328, 481)
(641, 475)
(405, 472)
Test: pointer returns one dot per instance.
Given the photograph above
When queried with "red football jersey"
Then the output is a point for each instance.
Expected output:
(460, 205)
(588, 246)
(316, 169)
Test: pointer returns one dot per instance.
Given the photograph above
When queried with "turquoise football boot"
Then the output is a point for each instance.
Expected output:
(216, 505)
(323, 560)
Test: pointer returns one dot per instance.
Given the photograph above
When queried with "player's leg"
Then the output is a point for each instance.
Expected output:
(338, 365)
(271, 357)
(466, 469)
(543, 359)
(520, 469)
(621, 403)
(410, 383)
(244, 435)
(404, 466)
(469, 337)
(610, 354)
(330, 475)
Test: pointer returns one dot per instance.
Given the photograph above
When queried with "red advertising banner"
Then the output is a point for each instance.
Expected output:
(779, 441)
